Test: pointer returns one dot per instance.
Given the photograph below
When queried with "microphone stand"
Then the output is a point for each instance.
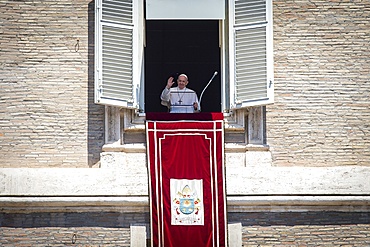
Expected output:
(201, 95)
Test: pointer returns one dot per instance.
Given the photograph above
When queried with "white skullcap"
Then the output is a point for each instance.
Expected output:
(184, 76)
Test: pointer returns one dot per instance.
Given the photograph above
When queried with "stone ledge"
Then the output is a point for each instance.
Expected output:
(73, 204)
(127, 148)
(131, 179)
(141, 204)
(141, 147)
(239, 148)
(301, 203)
(137, 122)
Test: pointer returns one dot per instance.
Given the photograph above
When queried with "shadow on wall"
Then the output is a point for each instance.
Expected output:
(300, 218)
(83, 219)
(95, 131)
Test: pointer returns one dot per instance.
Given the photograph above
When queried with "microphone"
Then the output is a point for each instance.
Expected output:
(200, 99)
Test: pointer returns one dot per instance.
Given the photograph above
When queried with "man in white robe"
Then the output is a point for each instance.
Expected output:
(179, 99)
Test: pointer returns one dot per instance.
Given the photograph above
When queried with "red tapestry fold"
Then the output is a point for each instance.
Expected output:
(187, 183)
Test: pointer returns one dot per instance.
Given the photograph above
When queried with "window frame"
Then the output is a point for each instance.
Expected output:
(227, 44)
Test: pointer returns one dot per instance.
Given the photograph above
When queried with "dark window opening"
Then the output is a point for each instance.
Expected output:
(182, 46)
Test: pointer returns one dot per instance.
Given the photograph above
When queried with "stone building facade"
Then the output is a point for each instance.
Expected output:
(73, 173)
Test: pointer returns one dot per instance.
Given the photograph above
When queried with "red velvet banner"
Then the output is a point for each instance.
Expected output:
(187, 183)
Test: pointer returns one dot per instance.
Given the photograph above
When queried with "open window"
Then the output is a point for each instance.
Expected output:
(241, 43)
(182, 46)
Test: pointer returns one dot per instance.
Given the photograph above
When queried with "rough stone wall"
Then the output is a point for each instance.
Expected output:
(258, 228)
(68, 229)
(321, 228)
(47, 114)
(321, 115)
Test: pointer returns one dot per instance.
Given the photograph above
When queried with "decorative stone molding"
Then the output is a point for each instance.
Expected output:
(140, 204)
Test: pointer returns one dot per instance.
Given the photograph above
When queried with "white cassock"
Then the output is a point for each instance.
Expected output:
(179, 100)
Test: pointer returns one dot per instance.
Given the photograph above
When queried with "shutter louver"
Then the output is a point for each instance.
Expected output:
(251, 65)
(249, 12)
(116, 11)
(115, 59)
(251, 80)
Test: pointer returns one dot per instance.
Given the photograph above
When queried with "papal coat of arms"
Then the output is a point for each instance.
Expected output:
(187, 202)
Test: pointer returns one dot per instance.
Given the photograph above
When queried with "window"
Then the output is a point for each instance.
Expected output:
(251, 65)
(245, 38)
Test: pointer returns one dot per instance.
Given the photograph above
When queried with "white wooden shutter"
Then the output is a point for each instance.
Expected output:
(251, 64)
(116, 31)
